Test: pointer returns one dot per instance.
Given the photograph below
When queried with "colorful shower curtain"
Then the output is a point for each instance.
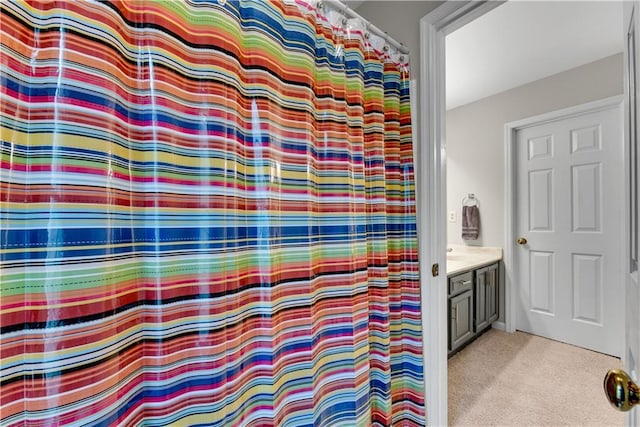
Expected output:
(207, 217)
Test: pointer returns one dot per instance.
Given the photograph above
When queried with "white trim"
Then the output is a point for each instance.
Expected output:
(510, 129)
(432, 202)
(567, 113)
(430, 228)
(509, 232)
(501, 326)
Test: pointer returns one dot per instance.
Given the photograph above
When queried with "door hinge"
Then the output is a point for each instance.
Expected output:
(435, 270)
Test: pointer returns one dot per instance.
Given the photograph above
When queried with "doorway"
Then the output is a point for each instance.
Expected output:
(434, 28)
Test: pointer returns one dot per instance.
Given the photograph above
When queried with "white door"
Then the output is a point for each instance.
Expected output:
(631, 355)
(570, 210)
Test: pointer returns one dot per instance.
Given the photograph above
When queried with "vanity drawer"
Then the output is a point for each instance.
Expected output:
(460, 283)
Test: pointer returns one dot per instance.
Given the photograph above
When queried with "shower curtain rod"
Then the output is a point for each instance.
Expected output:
(350, 13)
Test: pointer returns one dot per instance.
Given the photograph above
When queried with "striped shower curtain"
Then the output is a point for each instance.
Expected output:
(207, 218)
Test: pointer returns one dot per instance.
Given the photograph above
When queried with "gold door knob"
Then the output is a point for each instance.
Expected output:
(620, 389)
(522, 241)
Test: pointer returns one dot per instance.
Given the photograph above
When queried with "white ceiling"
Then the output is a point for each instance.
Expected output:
(522, 41)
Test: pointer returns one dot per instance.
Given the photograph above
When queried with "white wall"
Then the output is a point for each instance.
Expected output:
(475, 137)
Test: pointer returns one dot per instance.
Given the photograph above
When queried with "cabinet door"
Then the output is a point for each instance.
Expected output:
(492, 293)
(486, 297)
(481, 288)
(461, 319)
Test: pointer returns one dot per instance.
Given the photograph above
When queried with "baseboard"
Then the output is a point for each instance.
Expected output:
(501, 326)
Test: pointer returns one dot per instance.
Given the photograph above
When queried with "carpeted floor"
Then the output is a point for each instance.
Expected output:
(519, 379)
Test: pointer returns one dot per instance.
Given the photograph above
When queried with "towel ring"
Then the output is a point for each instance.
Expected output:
(470, 200)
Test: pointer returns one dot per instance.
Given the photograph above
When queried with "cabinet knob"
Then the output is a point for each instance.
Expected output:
(521, 241)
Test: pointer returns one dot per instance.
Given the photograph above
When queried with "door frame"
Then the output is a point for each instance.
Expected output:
(431, 195)
(511, 267)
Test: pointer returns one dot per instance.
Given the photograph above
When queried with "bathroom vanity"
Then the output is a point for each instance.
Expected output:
(473, 292)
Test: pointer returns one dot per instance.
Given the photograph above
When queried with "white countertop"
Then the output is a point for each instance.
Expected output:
(464, 258)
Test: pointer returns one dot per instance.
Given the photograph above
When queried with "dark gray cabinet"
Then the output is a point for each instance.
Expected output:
(460, 310)
(486, 297)
(473, 304)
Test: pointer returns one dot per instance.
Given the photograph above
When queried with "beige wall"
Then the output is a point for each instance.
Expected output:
(475, 137)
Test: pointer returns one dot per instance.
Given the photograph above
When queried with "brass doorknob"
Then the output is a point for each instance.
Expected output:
(522, 241)
(620, 389)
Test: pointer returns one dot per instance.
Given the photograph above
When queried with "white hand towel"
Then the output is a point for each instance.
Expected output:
(470, 222)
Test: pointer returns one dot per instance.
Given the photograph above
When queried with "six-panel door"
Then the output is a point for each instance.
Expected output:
(570, 210)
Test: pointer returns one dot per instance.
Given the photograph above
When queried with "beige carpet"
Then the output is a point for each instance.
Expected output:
(518, 379)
